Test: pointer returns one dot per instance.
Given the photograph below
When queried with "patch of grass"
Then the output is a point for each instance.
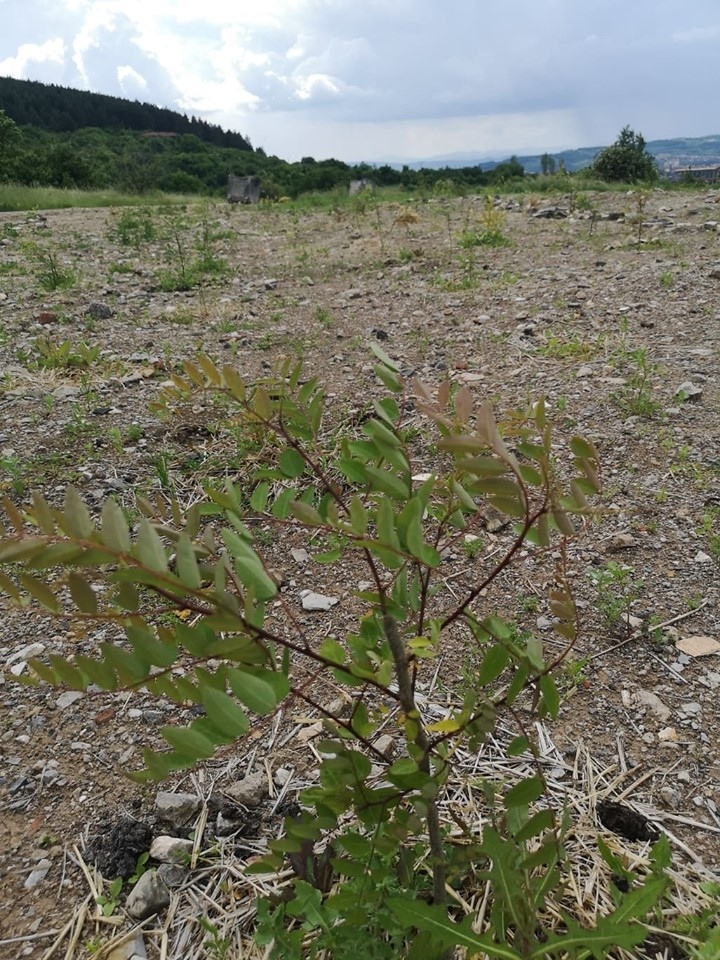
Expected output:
(324, 318)
(571, 347)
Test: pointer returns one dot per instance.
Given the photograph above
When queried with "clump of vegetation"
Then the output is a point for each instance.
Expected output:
(133, 228)
(617, 589)
(50, 272)
(372, 859)
(635, 397)
(626, 161)
(47, 354)
(490, 230)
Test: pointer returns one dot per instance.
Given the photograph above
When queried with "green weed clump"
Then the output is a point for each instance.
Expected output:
(375, 864)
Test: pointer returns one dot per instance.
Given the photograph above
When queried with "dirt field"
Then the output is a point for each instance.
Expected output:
(610, 308)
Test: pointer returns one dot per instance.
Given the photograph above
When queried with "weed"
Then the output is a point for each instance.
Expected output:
(472, 546)
(46, 354)
(133, 228)
(667, 280)
(109, 901)
(161, 464)
(49, 271)
(635, 397)
(617, 590)
(324, 317)
(12, 466)
(572, 347)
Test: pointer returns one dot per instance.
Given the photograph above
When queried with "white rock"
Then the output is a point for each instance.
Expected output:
(171, 849)
(701, 557)
(250, 791)
(652, 700)
(38, 874)
(68, 698)
(130, 950)
(318, 601)
(300, 556)
(24, 653)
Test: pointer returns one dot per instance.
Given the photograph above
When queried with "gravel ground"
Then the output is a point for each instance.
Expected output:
(606, 304)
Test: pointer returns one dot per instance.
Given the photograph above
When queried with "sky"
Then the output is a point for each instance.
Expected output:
(382, 80)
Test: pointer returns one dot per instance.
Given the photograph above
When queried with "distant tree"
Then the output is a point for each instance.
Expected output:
(547, 164)
(507, 170)
(9, 144)
(627, 160)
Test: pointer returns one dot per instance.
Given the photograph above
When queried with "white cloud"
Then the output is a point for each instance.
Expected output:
(28, 54)
(131, 82)
(697, 35)
(341, 77)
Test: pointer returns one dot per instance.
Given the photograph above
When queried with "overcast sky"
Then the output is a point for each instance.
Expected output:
(374, 79)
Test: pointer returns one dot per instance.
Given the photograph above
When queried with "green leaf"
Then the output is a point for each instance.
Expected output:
(259, 497)
(388, 377)
(149, 549)
(114, 531)
(14, 550)
(383, 357)
(291, 463)
(598, 940)
(518, 746)
(188, 742)
(83, 595)
(187, 564)
(224, 713)
(76, 518)
(256, 691)
(535, 826)
(385, 521)
(550, 695)
(306, 514)
(333, 651)
(494, 662)
(583, 448)
(43, 514)
(41, 592)
(383, 481)
(434, 920)
(524, 793)
(358, 516)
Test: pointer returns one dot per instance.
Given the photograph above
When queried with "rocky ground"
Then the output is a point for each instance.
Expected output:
(608, 305)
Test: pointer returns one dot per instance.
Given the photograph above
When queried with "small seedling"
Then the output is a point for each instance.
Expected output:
(110, 901)
(617, 590)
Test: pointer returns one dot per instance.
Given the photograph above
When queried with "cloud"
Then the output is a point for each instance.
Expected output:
(131, 82)
(333, 76)
(30, 55)
(697, 35)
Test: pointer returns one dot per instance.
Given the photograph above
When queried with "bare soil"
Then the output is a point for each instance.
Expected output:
(607, 318)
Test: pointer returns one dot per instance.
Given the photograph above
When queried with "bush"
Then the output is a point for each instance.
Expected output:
(370, 821)
(626, 161)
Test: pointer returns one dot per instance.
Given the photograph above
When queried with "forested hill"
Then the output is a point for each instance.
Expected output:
(64, 110)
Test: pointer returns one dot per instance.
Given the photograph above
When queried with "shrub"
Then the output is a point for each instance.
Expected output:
(370, 818)
(626, 161)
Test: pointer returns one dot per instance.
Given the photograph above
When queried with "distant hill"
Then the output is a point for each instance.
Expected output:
(670, 154)
(64, 110)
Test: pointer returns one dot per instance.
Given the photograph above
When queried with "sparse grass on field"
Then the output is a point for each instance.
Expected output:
(19, 197)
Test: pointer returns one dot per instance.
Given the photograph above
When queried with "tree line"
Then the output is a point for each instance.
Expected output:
(55, 136)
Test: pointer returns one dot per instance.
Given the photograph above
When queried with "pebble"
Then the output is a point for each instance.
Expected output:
(317, 601)
(68, 698)
(177, 808)
(38, 874)
(171, 849)
(149, 895)
(250, 791)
